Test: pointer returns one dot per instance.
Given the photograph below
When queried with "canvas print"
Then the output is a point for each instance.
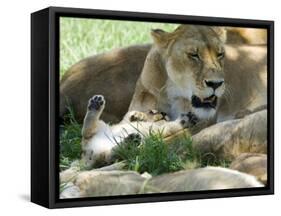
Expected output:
(149, 107)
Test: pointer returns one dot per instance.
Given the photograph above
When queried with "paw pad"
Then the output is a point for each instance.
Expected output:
(188, 119)
(96, 102)
(134, 137)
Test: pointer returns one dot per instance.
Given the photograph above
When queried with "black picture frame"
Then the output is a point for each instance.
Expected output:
(45, 106)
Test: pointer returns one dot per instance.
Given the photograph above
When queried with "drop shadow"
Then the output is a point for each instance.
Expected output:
(25, 197)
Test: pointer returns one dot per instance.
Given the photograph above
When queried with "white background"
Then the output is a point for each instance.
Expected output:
(15, 106)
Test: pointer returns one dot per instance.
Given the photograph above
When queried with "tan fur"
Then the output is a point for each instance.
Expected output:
(108, 183)
(111, 74)
(253, 164)
(252, 36)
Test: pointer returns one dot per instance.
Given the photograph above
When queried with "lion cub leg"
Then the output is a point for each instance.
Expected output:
(96, 147)
(173, 128)
(92, 122)
(151, 115)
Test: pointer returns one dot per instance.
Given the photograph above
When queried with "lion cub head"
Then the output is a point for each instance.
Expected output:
(193, 57)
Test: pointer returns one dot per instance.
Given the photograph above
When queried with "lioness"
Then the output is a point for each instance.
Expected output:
(119, 70)
(191, 70)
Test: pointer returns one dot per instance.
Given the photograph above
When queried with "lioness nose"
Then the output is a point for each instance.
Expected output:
(214, 83)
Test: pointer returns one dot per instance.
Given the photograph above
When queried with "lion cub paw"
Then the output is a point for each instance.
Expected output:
(155, 115)
(96, 103)
(188, 119)
(133, 137)
(150, 116)
(138, 116)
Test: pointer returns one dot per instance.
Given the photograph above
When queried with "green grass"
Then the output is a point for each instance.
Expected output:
(155, 156)
(70, 141)
(80, 38)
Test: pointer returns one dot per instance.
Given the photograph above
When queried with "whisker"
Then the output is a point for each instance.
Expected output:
(228, 94)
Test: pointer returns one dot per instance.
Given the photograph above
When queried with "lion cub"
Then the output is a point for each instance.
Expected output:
(99, 138)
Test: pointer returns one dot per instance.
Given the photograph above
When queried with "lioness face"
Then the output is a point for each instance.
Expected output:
(194, 60)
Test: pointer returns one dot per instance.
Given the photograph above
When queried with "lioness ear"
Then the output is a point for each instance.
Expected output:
(160, 37)
(221, 32)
